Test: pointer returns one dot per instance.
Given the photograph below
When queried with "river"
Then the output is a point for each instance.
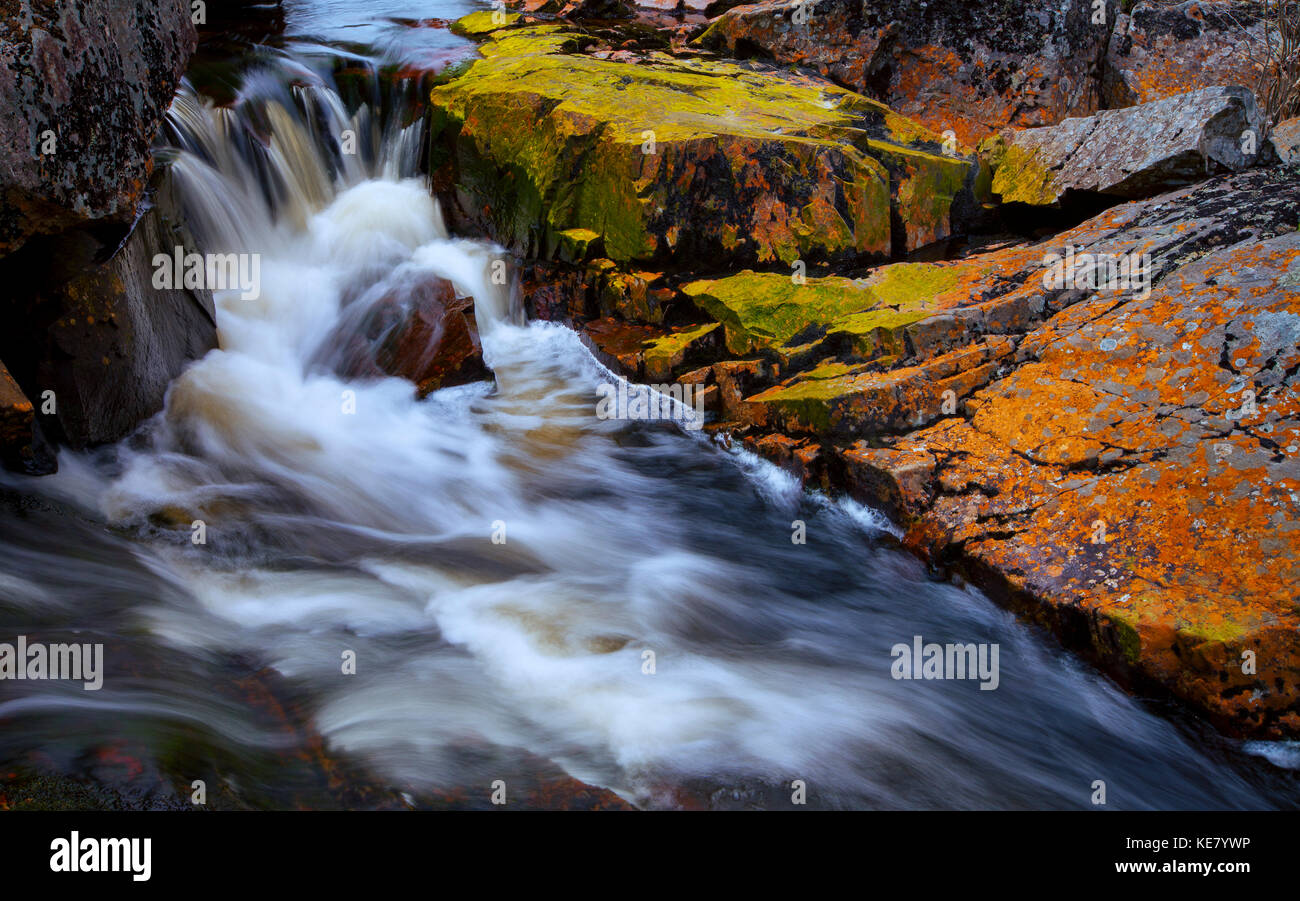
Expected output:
(496, 559)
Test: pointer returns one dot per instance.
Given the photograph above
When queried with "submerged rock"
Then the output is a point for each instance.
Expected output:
(85, 86)
(557, 153)
(1162, 49)
(1130, 153)
(970, 68)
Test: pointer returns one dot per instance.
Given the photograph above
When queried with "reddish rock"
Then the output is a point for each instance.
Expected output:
(21, 446)
(425, 334)
(973, 69)
(1162, 49)
(1286, 140)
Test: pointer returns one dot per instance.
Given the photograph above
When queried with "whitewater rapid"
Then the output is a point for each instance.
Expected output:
(502, 565)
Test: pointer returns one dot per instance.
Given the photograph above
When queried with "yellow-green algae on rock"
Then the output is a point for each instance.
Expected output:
(768, 310)
(666, 158)
(483, 22)
(1018, 177)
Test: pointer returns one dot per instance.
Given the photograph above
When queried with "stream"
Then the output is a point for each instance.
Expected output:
(495, 558)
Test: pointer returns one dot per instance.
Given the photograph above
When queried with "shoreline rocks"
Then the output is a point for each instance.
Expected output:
(1130, 153)
(627, 157)
(88, 85)
(970, 68)
(1159, 50)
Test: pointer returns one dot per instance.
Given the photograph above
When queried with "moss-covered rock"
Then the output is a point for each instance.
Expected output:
(680, 160)
(789, 318)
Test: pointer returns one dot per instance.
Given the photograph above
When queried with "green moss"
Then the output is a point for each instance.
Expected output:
(764, 310)
(482, 23)
(636, 152)
(1130, 642)
(812, 401)
(662, 354)
(534, 39)
(575, 244)
(904, 293)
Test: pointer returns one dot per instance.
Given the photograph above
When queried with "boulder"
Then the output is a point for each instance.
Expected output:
(1130, 153)
(650, 158)
(969, 68)
(1162, 49)
(84, 320)
(86, 85)
(423, 332)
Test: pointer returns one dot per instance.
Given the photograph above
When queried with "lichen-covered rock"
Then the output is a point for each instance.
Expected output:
(1130, 153)
(1120, 463)
(85, 86)
(1162, 49)
(972, 68)
(1286, 140)
(678, 159)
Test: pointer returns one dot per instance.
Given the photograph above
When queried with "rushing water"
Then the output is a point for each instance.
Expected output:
(347, 516)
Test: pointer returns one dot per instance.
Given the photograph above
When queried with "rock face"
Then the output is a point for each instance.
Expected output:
(1162, 49)
(643, 157)
(82, 329)
(1130, 153)
(970, 68)
(425, 334)
(83, 319)
(1102, 428)
(1286, 140)
(85, 85)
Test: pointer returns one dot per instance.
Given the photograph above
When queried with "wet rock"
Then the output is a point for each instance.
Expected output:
(685, 160)
(86, 85)
(22, 447)
(84, 321)
(1130, 153)
(1161, 49)
(973, 69)
(424, 333)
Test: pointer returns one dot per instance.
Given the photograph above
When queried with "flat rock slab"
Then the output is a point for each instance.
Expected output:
(1130, 153)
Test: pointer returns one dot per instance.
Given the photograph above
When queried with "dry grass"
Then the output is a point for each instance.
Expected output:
(1271, 38)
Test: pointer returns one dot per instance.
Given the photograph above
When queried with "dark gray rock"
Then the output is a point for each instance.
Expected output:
(85, 85)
